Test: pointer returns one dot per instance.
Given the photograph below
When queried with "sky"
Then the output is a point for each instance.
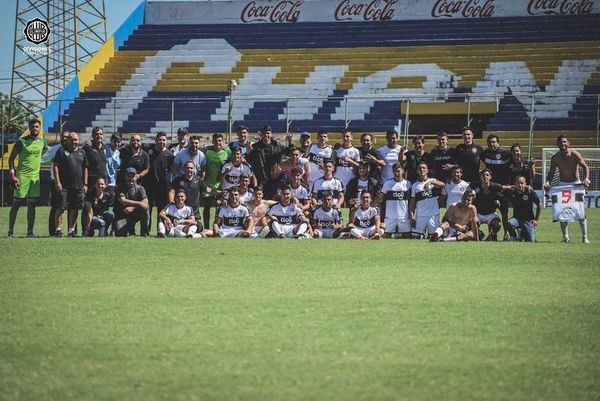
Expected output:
(116, 12)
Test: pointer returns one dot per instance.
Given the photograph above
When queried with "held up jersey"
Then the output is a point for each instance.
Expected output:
(568, 202)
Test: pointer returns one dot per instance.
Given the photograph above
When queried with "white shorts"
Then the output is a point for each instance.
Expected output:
(397, 225)
(287, 230)
(229, 232)
(363, 232)
(324, 232)
(426, 222)
(486, 218)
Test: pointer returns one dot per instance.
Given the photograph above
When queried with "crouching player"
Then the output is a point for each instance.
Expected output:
(177, 219)
(365, 219)
(287, 218)
(459, 222)
(326, 220)
(233, 219)
(523, 198)
(395, 193)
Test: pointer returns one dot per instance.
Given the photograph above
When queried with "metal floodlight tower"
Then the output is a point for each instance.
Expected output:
(43, 68)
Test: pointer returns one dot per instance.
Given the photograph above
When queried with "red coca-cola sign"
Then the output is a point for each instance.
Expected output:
(560, 7)
(375, 10)
(463, 8)
(284, 11)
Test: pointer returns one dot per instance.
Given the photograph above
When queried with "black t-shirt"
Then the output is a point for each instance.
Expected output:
(135, 193)
(193, 188)
(468, 158)
(262, 157)
(412, 161)
(139, 161)
(523, 204)
(97, 162)
(497, 161)
(160, 166)
(70, 167)
(486, 200)
(439, 158)
(519, 168)
(374, 171)
(99, 206)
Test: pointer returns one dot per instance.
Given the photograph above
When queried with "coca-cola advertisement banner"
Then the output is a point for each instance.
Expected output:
(293, 11)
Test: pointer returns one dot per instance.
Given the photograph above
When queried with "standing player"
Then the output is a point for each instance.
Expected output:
(455, 189)
(55, 198)
(317, 154)
(395, 194)
(568, 161)
(182, 142)
(459, 222)
(370, 155)
(523, 198)
(327, 183)
(497, 160)
(296, 161)
(265, 153)
(113, 161)
(177, 219)
(243, 143)
(233, 220)
(71, 181)
(365, 221)
(468, 156)
(157, 181)
(216, 156)
(488, 195)
(414, 157)
(347, 158)
(424, 207)
(287, 219)
(96, 155)
(443, 158)
(193, 153)
(133, 156)
(391, 154)
(519, 166)
(231, 171)
(326, 220)
(26, 180)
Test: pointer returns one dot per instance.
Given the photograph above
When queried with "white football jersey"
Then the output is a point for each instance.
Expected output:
(395, 196)
(455, 192)
(321, 185)
(286, 214)
(365, 218)
(233, 216)
(391, 157)
(174, 213)
(327, 218)
(315, 156)
(426, 198)
(232, 179)
(343, 170)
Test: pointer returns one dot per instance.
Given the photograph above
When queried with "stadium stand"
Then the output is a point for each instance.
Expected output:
(163, 75)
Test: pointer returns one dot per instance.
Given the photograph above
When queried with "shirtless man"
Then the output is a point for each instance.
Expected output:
(258, 208)
(459, 222)
(296, 161)
(568, 161)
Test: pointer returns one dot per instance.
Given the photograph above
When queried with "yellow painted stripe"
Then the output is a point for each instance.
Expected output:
(449, 108)
(97, 62)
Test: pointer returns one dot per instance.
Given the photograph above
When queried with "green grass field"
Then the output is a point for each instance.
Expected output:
(212, 319)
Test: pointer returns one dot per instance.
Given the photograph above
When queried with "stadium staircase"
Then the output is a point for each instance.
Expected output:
(163, 73)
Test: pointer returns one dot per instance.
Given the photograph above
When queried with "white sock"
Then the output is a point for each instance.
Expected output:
(439, 231)
(161, 228)
(302, 228)
(564, 227)
(450, 239)
(277, 228)
(192, 229)
(583, 225)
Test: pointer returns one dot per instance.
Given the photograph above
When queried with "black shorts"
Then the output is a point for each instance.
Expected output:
(71, 199)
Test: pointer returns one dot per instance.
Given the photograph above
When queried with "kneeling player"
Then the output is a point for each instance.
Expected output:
(233, 219)
(366, 221)
(459, 222)
(326, 220)
(177, 219)
(287, 219)
(395, 193)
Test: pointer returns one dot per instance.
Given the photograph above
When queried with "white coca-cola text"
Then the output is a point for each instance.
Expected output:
(560, 7)
(376, 10)
(284, 11)
(464, 8)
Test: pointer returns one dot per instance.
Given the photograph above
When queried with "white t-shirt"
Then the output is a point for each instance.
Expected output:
(390, 156)
(286, 214)
(365, 218)
(232, 179)
(327, 218)
(333, 184)
(455, 192)
(426, 197)
(343, 170)
(185, 156)
(316, 155)
(396, 195)
(174, 213)
(568, 202)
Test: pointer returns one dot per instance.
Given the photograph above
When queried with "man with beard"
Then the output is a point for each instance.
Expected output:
(131, 207)
(133, 156)
(158, 180)
(468, 156)
(96, 155)
(347, 158)
(26, 179)
(265, 153)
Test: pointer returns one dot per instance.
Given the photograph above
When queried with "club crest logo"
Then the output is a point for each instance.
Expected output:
(37, 31)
